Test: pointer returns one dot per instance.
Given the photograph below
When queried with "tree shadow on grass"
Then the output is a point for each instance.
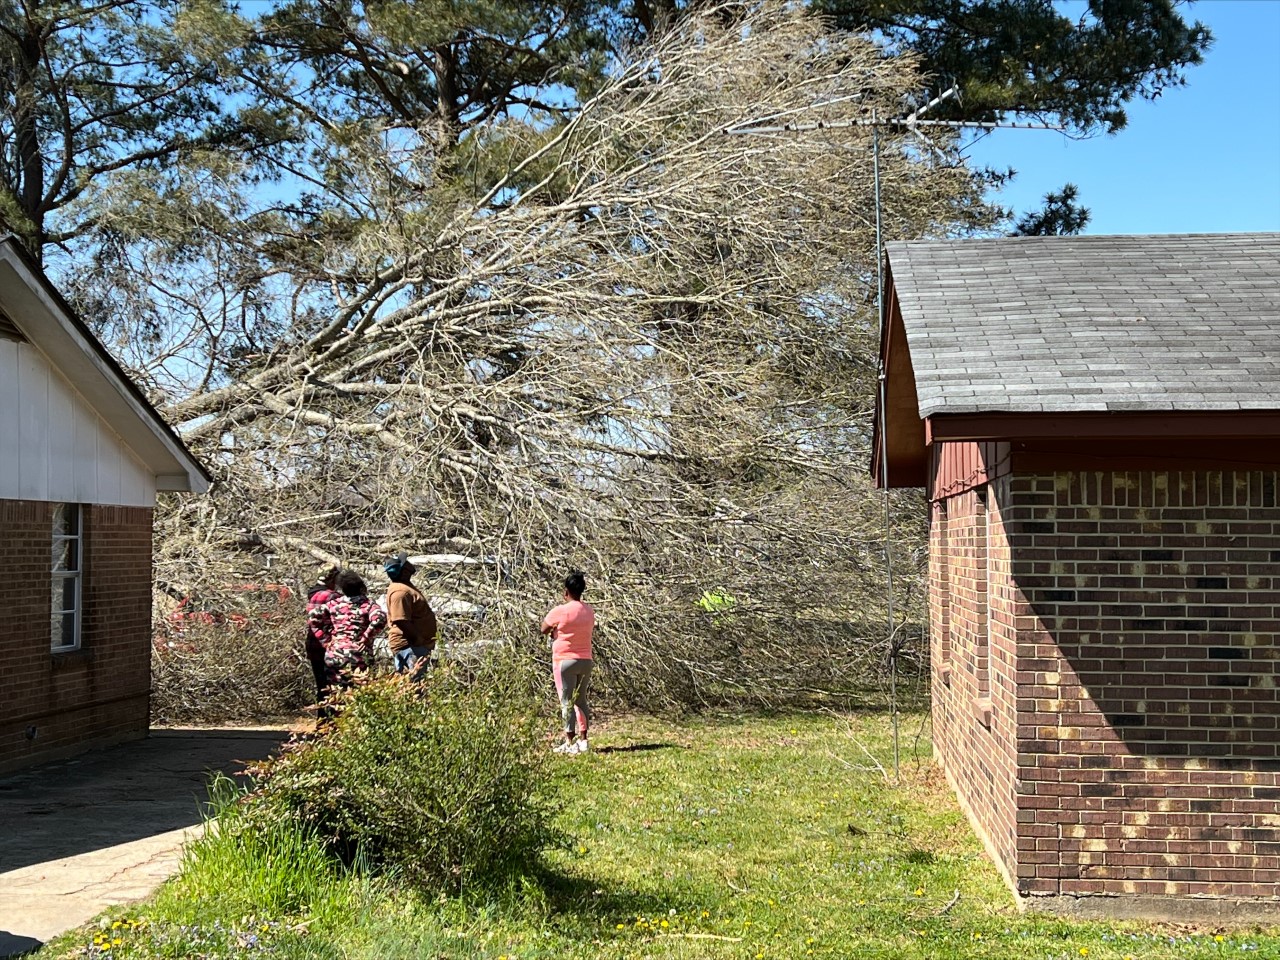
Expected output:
(636, 748)
(584, 900)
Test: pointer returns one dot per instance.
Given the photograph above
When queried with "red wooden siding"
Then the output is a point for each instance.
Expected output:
(959, 465)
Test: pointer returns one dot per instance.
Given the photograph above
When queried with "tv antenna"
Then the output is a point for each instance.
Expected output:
(912, 124)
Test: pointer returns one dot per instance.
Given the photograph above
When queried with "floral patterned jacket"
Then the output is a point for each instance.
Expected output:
(318, 621)
(348, 626)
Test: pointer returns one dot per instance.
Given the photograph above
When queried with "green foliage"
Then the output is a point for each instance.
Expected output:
(1060, 216)
(439, 66)
(738, 838)
(88, 89)
(280, 242)
(246, 863)
(1032, 56)
(717, 602)
(438, 783)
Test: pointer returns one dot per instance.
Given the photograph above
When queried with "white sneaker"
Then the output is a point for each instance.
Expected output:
(569, 747)
(582, 747)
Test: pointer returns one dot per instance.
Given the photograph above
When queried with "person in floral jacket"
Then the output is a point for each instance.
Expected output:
(350, 620)
(324, 590)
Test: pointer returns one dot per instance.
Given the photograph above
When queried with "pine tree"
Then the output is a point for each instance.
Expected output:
(1027, 56)
(1061, 216)
(90, 89)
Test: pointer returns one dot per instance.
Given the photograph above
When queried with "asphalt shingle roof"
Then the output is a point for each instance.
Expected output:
(1065, 324)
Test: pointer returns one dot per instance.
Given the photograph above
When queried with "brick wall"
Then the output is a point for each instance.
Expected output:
(1144, 609)
(55, 704)
(973, 647)
(1147, 632)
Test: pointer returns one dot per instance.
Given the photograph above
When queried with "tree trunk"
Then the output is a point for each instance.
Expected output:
(30, 190)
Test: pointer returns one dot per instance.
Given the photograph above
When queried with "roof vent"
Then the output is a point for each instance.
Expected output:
(9, 330)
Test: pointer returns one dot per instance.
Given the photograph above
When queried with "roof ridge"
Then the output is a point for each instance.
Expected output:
(1092, 237)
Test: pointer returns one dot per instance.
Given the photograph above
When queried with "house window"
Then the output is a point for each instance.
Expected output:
(67, 576)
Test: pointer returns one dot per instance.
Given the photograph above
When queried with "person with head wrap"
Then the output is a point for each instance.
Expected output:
(319, 627)
(411, 632)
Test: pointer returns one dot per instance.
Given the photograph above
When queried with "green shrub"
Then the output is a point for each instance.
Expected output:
(440, 783)
(246, 862)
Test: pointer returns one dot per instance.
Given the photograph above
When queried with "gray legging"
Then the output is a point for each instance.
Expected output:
(573, 681)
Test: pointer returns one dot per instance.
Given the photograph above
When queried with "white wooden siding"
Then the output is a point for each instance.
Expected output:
(10, 424)
(53, 446)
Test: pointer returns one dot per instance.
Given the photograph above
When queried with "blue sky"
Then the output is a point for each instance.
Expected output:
(1205, 157)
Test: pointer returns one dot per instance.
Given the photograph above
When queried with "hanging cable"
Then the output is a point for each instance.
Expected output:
(882, 377)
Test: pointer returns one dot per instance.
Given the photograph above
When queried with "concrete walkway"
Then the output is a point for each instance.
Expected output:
(107, 827)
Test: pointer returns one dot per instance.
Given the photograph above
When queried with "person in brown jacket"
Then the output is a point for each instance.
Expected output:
(411, 626)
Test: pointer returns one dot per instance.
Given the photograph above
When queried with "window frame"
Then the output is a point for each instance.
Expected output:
(58, 577)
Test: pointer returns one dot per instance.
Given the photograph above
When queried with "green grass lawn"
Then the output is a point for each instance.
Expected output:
(774, 837)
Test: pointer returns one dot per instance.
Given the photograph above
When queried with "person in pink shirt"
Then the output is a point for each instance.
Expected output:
(570, 626)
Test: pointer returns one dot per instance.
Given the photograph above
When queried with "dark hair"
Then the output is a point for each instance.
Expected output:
(351, 583)
(575, 584)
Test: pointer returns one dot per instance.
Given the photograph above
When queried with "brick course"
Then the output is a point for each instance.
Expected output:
(1132, 617)
(100, 693)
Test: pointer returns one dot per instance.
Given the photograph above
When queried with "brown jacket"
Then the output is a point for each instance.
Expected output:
(406, 605)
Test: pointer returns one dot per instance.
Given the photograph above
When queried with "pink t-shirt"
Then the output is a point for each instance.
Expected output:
(573, 623)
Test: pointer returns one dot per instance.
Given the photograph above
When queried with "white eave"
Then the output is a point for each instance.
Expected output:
(50, 325)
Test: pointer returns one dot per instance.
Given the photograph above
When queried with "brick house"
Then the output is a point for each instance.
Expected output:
(82, 456)
(1096, 422)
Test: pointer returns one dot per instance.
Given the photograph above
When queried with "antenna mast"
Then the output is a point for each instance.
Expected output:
(912, 124)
